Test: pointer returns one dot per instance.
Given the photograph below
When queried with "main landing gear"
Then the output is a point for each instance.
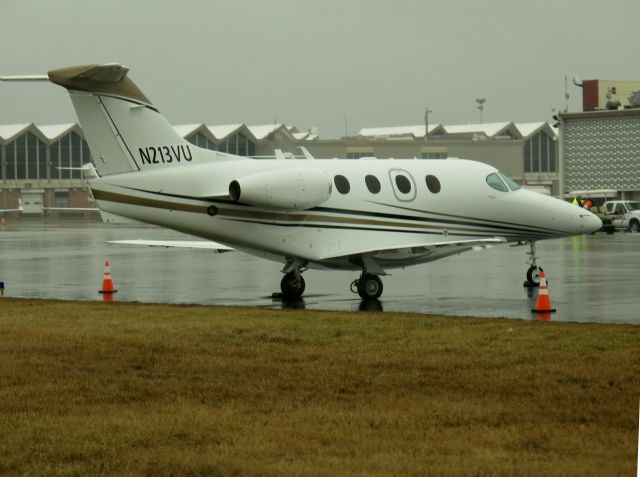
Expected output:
(368, 286)
(533, 273)
(292, 284)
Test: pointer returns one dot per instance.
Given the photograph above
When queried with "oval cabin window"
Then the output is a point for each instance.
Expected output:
(373, 184)
(433, 184)
(403, 184)
(342, 184)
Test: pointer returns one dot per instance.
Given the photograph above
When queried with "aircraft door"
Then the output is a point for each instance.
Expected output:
(403, 185)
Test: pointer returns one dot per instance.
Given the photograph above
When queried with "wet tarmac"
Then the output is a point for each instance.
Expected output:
(592, 278)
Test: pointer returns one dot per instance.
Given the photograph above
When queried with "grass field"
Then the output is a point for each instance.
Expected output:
(131, 389)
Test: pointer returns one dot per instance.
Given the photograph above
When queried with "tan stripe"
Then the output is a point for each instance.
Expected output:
(158, 204)
(273, 216)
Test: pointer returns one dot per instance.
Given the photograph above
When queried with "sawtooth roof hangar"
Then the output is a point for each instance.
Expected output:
(34, 160)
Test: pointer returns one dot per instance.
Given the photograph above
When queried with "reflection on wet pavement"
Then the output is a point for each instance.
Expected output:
(591, 278)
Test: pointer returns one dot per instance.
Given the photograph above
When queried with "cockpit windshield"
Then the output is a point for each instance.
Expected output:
(513, 185)
(502, 182)
(494, 181)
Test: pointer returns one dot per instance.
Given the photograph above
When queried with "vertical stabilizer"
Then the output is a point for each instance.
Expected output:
(125, 132)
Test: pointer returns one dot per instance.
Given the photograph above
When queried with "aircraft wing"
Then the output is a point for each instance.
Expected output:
(203, 244)
(425, 247)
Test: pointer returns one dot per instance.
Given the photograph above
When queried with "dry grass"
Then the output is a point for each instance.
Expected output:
(132, 389)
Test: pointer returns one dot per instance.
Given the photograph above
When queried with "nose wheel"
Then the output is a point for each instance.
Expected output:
(368, 286)
(533, 277)
(533, 273)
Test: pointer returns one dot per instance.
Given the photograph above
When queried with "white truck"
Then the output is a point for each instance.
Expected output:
(622, 214)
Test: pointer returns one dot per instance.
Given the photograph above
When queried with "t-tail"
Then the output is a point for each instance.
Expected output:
(124, 131)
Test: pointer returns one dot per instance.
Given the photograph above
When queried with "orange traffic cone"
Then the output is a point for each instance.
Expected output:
(543, 304)
(107, 283)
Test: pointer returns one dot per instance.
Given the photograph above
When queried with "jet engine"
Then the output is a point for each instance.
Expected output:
(289, 189)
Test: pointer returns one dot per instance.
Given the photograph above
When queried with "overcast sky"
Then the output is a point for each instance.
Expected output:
(310, 63)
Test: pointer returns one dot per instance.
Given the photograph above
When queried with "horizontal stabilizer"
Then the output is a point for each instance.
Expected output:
(110, 78)
(107, 73)
(25, 78)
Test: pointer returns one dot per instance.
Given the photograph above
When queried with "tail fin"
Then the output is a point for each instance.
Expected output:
(125, 132)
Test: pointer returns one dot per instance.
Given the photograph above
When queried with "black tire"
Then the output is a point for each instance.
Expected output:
(533, 276)
(634, 226)
(292, 287)
(369, 287)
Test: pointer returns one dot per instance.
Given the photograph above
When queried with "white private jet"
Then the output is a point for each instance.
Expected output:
(364, 215)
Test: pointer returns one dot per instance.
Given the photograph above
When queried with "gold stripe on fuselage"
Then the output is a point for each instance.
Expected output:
(302, 218)
(144, 202)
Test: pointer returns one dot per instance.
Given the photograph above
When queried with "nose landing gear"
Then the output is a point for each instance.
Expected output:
(533, 273)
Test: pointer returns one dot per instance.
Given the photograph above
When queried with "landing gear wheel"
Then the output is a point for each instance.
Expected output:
(533, 276)
(292, 286)
(369, 287)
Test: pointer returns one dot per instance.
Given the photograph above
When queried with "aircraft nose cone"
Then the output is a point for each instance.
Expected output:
(589, 222)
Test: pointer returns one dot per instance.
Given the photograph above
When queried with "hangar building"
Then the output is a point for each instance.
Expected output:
(37, 162)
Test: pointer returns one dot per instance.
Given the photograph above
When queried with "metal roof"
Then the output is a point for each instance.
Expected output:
(9, 131)
(398, 131)
(50, 133)
(490, 130)
(53, 132)
(187, 129)
(223, 131)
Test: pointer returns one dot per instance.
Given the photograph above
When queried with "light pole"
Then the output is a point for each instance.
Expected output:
(480, 102)
(427, 111)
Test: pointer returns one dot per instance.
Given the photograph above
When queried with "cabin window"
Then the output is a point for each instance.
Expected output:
(494, 181)
(403, 184)
(342, 184)
(373, 184)
(433, 184)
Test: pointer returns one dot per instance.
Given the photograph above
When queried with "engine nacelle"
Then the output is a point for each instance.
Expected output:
(290, 189)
